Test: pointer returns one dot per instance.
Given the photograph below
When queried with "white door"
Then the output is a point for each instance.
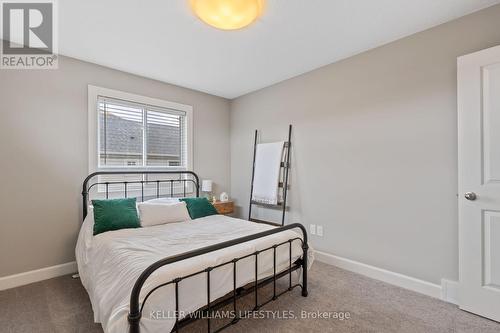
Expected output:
(479, 182)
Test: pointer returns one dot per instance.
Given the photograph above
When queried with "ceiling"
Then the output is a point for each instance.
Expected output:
(163, 40)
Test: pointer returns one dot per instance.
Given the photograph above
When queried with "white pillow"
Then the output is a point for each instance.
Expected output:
(163, 200)
(161, 213)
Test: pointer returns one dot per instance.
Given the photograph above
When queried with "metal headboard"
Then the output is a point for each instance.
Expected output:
(192, 178)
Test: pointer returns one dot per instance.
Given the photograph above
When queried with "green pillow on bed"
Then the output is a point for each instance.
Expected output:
(115, 214)
(199, 207)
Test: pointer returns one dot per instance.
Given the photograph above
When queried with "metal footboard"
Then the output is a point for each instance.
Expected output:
(136, 308)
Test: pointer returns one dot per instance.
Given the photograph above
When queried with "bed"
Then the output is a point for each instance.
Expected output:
(158, 278)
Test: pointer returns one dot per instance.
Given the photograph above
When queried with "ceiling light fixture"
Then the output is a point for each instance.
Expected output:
(228, 14)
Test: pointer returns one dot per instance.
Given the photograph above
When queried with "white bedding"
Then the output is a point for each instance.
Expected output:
(110, 263)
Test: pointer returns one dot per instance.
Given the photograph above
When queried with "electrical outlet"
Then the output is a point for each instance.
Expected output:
(312, 229)
(319, 230)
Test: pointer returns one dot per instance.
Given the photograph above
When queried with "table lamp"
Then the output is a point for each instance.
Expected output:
(206, 187)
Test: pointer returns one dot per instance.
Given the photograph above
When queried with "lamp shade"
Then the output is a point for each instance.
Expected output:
(206, 185)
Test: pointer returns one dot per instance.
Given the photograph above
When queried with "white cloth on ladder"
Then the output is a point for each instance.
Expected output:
(268, 157)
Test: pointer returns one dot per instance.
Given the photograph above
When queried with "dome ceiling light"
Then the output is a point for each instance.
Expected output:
(228, 14)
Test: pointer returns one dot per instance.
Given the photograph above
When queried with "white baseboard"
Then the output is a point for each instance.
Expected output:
(447, 292)
(41, 274)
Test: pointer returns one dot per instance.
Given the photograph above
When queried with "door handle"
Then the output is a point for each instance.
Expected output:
(470, 196)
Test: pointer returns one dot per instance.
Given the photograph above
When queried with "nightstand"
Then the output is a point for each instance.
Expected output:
(226, 207)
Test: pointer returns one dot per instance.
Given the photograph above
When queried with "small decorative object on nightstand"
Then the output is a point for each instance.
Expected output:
(224, 208)
(224, 197)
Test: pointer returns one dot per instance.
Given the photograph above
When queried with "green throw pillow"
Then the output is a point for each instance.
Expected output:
(199, 207)
(115, 214)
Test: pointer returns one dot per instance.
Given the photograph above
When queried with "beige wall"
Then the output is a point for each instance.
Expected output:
(374, 148)
(43, 144)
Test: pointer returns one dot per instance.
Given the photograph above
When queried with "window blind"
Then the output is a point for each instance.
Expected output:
(140, 135)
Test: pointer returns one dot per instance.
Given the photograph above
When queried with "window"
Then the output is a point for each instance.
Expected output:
(128, 131)
(132, 134)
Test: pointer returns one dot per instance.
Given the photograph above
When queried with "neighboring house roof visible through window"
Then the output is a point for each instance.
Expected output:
(124, 136)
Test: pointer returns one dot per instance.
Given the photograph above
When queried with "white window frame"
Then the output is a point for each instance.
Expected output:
(93, 127)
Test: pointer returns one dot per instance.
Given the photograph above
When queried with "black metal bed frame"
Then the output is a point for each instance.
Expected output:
(136, 307)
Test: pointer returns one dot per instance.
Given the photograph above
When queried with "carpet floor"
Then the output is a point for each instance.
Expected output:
(62, 305)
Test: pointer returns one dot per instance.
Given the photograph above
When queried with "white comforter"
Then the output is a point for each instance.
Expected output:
(110, 263)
